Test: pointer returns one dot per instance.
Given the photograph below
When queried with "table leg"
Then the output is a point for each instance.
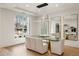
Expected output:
(49, 49)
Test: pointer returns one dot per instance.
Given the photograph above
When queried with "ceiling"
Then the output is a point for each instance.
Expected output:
(31, 7)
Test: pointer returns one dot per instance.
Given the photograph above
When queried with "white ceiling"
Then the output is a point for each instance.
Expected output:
(31, 7)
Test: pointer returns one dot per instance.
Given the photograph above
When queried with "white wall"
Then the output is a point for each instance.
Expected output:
(7, 28)
(35, 26)
(7, 21)
(64, 13)
(0, 24)
(73, 43)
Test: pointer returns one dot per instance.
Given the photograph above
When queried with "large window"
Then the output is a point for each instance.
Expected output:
(71, 27)
(22, 25)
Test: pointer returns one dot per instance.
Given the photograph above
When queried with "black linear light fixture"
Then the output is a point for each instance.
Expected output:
(42, 5)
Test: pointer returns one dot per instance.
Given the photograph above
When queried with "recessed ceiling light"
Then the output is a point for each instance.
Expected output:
(56, 5)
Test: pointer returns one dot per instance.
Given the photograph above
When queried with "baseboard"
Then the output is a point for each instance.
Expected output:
(13, 45)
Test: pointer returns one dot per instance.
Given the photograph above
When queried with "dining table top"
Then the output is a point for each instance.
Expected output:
(44, 38)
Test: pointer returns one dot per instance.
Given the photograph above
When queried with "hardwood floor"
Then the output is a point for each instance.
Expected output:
(20, 50)
(71, 51)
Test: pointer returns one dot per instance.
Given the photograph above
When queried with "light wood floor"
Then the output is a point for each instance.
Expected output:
(20, 50)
